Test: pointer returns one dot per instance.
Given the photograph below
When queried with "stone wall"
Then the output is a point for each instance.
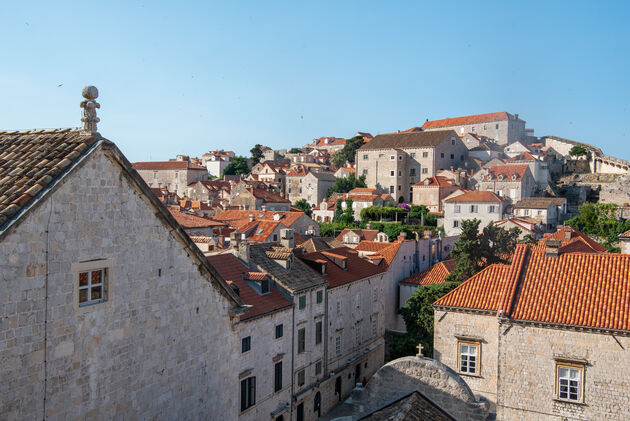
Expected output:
(527, 374)
(160, 347)
(448, 327)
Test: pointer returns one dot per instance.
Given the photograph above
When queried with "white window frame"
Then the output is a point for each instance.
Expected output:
(104, 265)
(567, 381)
(338, 345)
(374, 326)
(357, 333)
(465, 357)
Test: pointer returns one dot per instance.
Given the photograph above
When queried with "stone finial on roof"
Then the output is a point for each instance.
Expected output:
(89, 119)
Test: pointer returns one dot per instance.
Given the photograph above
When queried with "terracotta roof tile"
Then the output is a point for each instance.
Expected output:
(568, 235)
(574, 289)
(474, 196)
(192, 221)
(523, 156)
(232, 270)
(407, 140)
(507, 171)
(438, 180)
(364, 234)
(287, 218)
(436, 274)
(357, 268)
(31, 160)
(471, 119)
(366, 245)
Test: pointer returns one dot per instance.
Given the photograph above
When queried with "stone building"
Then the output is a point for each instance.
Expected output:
(306, 291)
(307, 185)
(364, 197)
(258, 198)
(299, 222)
(432, 190)
(471, 204)
(543, 338)
(266, 336)
(216, 161)
(538, 167)
(325, 212)
(502, 127)
(548, 211)
(511, 182)
(209, 191)
(92, 324)
(354, 326)
(393, 163)
(174, 175)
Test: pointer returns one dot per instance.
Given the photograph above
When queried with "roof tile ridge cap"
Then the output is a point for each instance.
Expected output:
(510, 288)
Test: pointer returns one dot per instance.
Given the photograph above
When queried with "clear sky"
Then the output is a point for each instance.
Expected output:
(188, 77)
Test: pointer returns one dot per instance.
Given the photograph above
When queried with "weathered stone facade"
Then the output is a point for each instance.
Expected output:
(161, 346)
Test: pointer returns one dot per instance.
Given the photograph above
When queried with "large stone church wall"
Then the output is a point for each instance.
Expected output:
(160, 347)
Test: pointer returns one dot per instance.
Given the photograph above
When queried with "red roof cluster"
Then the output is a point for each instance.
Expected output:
(192, 221)
(355, 267)
(572, 289)
(510, 172)
(475, 196)
(436, 181)
(471, 119)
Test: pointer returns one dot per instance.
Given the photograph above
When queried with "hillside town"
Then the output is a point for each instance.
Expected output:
(461, 269)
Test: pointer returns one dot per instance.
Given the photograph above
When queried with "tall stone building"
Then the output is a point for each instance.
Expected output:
(108, 308)
(393, 163)
(502, 127)
(545, 337)
(174, 175)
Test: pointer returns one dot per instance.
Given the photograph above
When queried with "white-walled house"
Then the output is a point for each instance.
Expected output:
(471, 204)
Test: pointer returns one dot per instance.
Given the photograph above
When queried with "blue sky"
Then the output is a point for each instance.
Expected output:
(187, 77)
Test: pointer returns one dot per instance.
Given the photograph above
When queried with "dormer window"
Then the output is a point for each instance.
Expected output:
(264, 286)
(500, 177)
(514, 176)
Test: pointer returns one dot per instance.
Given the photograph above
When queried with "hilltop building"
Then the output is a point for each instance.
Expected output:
(502, 127)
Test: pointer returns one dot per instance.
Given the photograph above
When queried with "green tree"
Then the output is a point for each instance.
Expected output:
(340, 157)
(295, 150)
(237, 166)
(347, 217)
(257, 154)
(418, 316)
(578, 150)
(338, 211)
(475, 251)
(600, 220)
(303, 205)
(345, 184)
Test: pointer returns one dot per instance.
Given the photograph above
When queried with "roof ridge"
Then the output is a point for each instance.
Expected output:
(512, 283)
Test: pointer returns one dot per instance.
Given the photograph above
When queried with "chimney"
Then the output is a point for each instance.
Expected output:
(515, 116)
(235, 239)
(264, 208)
(243, 252)
(567, 232)
(552, 247)
(251, 218)
(402, 236)
(286, 238)
(221, 241)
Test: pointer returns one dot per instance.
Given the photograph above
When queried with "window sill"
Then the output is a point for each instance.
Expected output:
(570, 402)
(470, 375)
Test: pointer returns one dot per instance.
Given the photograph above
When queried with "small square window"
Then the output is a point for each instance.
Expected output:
(400, 157)
(442, 155)
(425, 154)
(392, 157)
(425, 170)
(455, 224)
(399, 173)
(458, 208)
(391, 173)
(365, 172)
(413, 154)
(391, 189)
(320, 296)
(452, 156)
(365, 157)
(92, 287)
(246, 344)
(279, 331)
(302, 302)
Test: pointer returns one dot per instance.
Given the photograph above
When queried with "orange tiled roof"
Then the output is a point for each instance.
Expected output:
(356, 268)
(287, 218)
(625, 234)
(359, 190)
(475, 196)
(507, 171)
(263, 230)
(364, 234)
(569, 236)
(574, 289)
(523, 156)
(437, 180)
(471, 119)
(192, 221)
(366, 245)
(232, 270)
(436, 274)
